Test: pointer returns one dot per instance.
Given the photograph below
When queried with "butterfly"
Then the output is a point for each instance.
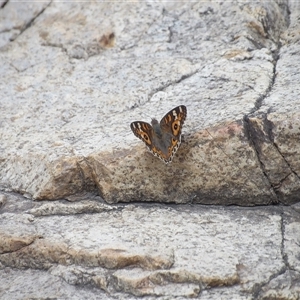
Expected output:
(164, 138)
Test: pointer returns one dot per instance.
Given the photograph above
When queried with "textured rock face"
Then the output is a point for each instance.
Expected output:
(75, 76)
(92, 250)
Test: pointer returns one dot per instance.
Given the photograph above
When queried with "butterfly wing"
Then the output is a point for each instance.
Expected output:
(143, 131)
(171, 126)
(172, 122)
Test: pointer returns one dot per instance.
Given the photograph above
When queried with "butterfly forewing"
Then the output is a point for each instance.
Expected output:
(143, 131)
(173, 120)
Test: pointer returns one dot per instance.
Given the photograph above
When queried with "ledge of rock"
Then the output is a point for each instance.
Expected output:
(131, 251)
(69, 92)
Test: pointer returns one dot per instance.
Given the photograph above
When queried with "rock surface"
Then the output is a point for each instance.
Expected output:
(73, 78)
(92, 250)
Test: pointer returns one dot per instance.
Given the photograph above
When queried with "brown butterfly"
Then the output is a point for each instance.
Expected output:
(164, 138)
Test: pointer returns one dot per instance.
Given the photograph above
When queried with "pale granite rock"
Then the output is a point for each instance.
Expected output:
(16, 17)
(76, 87)
(2, 200)
(148, 250)
(285, 286)
(74, 76)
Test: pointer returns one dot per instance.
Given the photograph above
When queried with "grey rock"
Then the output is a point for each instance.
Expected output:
(2, 200)
(17, 17)
(155, 251)
(73, 78)
(229, 64)
(285, 286)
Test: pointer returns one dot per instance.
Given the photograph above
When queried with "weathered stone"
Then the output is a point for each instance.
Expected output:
(16, 17)
(73, 78)
(212, 167)
(56, 208)
(2, 200)
(157, 284)
(177, 54)
(144, 250)
(37, 284)
(75, 275)
(44, 253)
(12, 244)
(279, 115)
(291, 245)
(285, 286)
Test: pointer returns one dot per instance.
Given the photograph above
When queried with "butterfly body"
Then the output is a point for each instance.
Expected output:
(162, 138)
